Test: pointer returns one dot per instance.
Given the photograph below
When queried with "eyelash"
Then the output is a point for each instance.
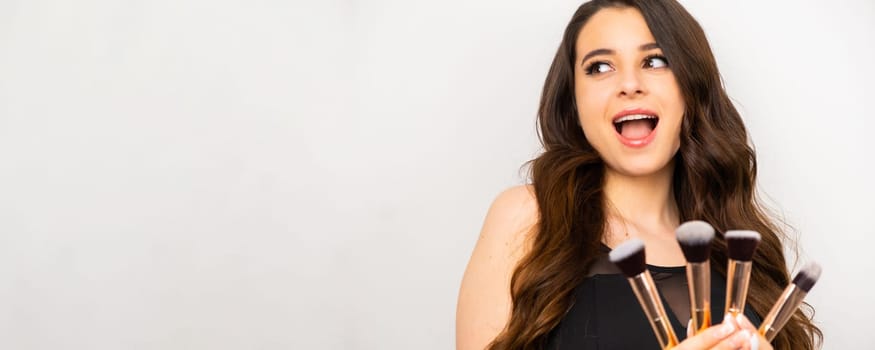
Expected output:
(591, 69)
(661, 57)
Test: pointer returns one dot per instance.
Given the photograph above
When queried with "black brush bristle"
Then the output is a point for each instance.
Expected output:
(629, 257)
(742, 244)
(807, 276)
(695, 240)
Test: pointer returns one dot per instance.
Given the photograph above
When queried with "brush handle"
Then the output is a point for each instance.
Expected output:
(783, 310)
(648, 297)
(699, 282)
(738, 278)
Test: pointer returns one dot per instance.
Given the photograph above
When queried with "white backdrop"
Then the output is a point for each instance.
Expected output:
(230, 174)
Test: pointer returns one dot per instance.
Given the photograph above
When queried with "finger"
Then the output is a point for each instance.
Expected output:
(710, 337)
(744, 323)
(755, 341)
(738, 340)
(759, 342)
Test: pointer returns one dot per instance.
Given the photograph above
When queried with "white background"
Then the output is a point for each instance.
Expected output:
(234, 174)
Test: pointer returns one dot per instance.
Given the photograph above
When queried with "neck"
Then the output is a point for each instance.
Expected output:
(641, 204)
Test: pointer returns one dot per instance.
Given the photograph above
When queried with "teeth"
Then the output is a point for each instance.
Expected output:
(634, 117)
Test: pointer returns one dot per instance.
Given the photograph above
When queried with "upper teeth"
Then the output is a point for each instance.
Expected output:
(634, 117)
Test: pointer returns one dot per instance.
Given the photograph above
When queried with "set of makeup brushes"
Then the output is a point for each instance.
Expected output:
(695, 240)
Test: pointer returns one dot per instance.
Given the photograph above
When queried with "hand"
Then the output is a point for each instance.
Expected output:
(758, 342)
(728, 335)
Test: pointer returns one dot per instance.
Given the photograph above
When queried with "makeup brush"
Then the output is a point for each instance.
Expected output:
(790, 300)
(629, 257)
(695, 240)
(742, 244)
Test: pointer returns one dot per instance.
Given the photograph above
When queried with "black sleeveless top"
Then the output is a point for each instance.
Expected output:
(606, 315)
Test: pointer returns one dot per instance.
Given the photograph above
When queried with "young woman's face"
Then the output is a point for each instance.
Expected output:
(628, 100)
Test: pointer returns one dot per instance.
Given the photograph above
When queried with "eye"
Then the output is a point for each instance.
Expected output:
(655, 61)
(598, 67)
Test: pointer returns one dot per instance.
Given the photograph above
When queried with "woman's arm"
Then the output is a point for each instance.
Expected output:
(484, 298)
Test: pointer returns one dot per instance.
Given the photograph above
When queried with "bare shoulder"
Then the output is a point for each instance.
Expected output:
(509, 223)
(484, 298)
(512, 213)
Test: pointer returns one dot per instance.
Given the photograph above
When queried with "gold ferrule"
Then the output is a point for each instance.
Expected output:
(738, 279)
(699, 282)
(648, 297)
(784, 308)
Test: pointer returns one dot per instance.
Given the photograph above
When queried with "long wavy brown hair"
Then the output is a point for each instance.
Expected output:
(714, 181)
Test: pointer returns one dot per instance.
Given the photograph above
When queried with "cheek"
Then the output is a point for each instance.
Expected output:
(589, 121)
(591, 105)
(673, 102)
(675, 95)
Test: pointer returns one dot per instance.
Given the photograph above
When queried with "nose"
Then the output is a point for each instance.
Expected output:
(631, 84)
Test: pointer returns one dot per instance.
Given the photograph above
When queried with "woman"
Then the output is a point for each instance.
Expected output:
(639, 136)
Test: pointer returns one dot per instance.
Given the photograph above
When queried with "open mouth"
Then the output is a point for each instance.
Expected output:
(636, 126)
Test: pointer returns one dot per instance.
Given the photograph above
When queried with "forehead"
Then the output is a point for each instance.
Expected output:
(614, 28)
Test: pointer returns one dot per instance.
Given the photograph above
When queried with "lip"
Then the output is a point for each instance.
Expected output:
(635, 143)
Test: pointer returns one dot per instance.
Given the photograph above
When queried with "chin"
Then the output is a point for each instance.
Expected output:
(641, 168)
(638, 172)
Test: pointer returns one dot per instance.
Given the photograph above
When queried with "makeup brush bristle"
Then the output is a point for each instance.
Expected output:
(807, 276)
(629, 257)
(695, 239)
(742, 244)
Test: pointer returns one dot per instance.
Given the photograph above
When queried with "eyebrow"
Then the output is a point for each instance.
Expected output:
(597, 52)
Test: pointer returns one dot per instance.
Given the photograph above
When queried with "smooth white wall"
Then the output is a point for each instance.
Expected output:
(313, 175)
